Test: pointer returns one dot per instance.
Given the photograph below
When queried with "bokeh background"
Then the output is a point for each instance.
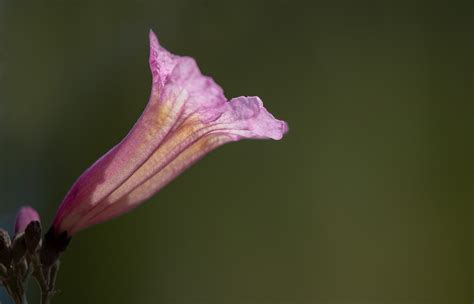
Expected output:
(368, 199)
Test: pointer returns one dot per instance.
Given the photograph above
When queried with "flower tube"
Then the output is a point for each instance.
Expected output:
(187, 116)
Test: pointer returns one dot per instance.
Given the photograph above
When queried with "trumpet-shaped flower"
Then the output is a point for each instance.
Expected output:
(187, 116)
(24, 217)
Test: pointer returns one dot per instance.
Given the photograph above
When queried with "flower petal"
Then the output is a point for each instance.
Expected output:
(186, 117)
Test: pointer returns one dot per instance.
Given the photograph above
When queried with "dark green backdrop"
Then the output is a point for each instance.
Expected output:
(368, 199)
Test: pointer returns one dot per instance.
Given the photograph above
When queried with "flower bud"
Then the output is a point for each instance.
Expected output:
(18, 247)
(3, 271)
(25, 216)
(33, 236)
(5, 248)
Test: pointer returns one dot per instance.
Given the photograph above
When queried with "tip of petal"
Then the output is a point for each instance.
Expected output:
(282, 129)
(258, 122)
(153, 39)
(161, 61)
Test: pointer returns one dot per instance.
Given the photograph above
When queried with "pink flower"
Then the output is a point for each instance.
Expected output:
(25, 216)
(187, 116)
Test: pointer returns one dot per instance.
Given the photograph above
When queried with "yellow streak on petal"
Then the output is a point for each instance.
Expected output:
(179, 164)
(146, 189)
(156, 121)
(165, 153)
(162, 114)
(154, 124)
(168, 150)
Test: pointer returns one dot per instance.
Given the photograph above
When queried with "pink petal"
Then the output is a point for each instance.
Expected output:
(25, 216)
(186, 117)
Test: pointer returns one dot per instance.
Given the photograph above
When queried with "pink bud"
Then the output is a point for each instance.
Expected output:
(25, 216)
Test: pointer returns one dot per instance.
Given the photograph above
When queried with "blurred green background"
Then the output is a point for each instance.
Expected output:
(368, 199)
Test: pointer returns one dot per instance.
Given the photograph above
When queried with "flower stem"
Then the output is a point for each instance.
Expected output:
(39, 275)
(45, 298)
